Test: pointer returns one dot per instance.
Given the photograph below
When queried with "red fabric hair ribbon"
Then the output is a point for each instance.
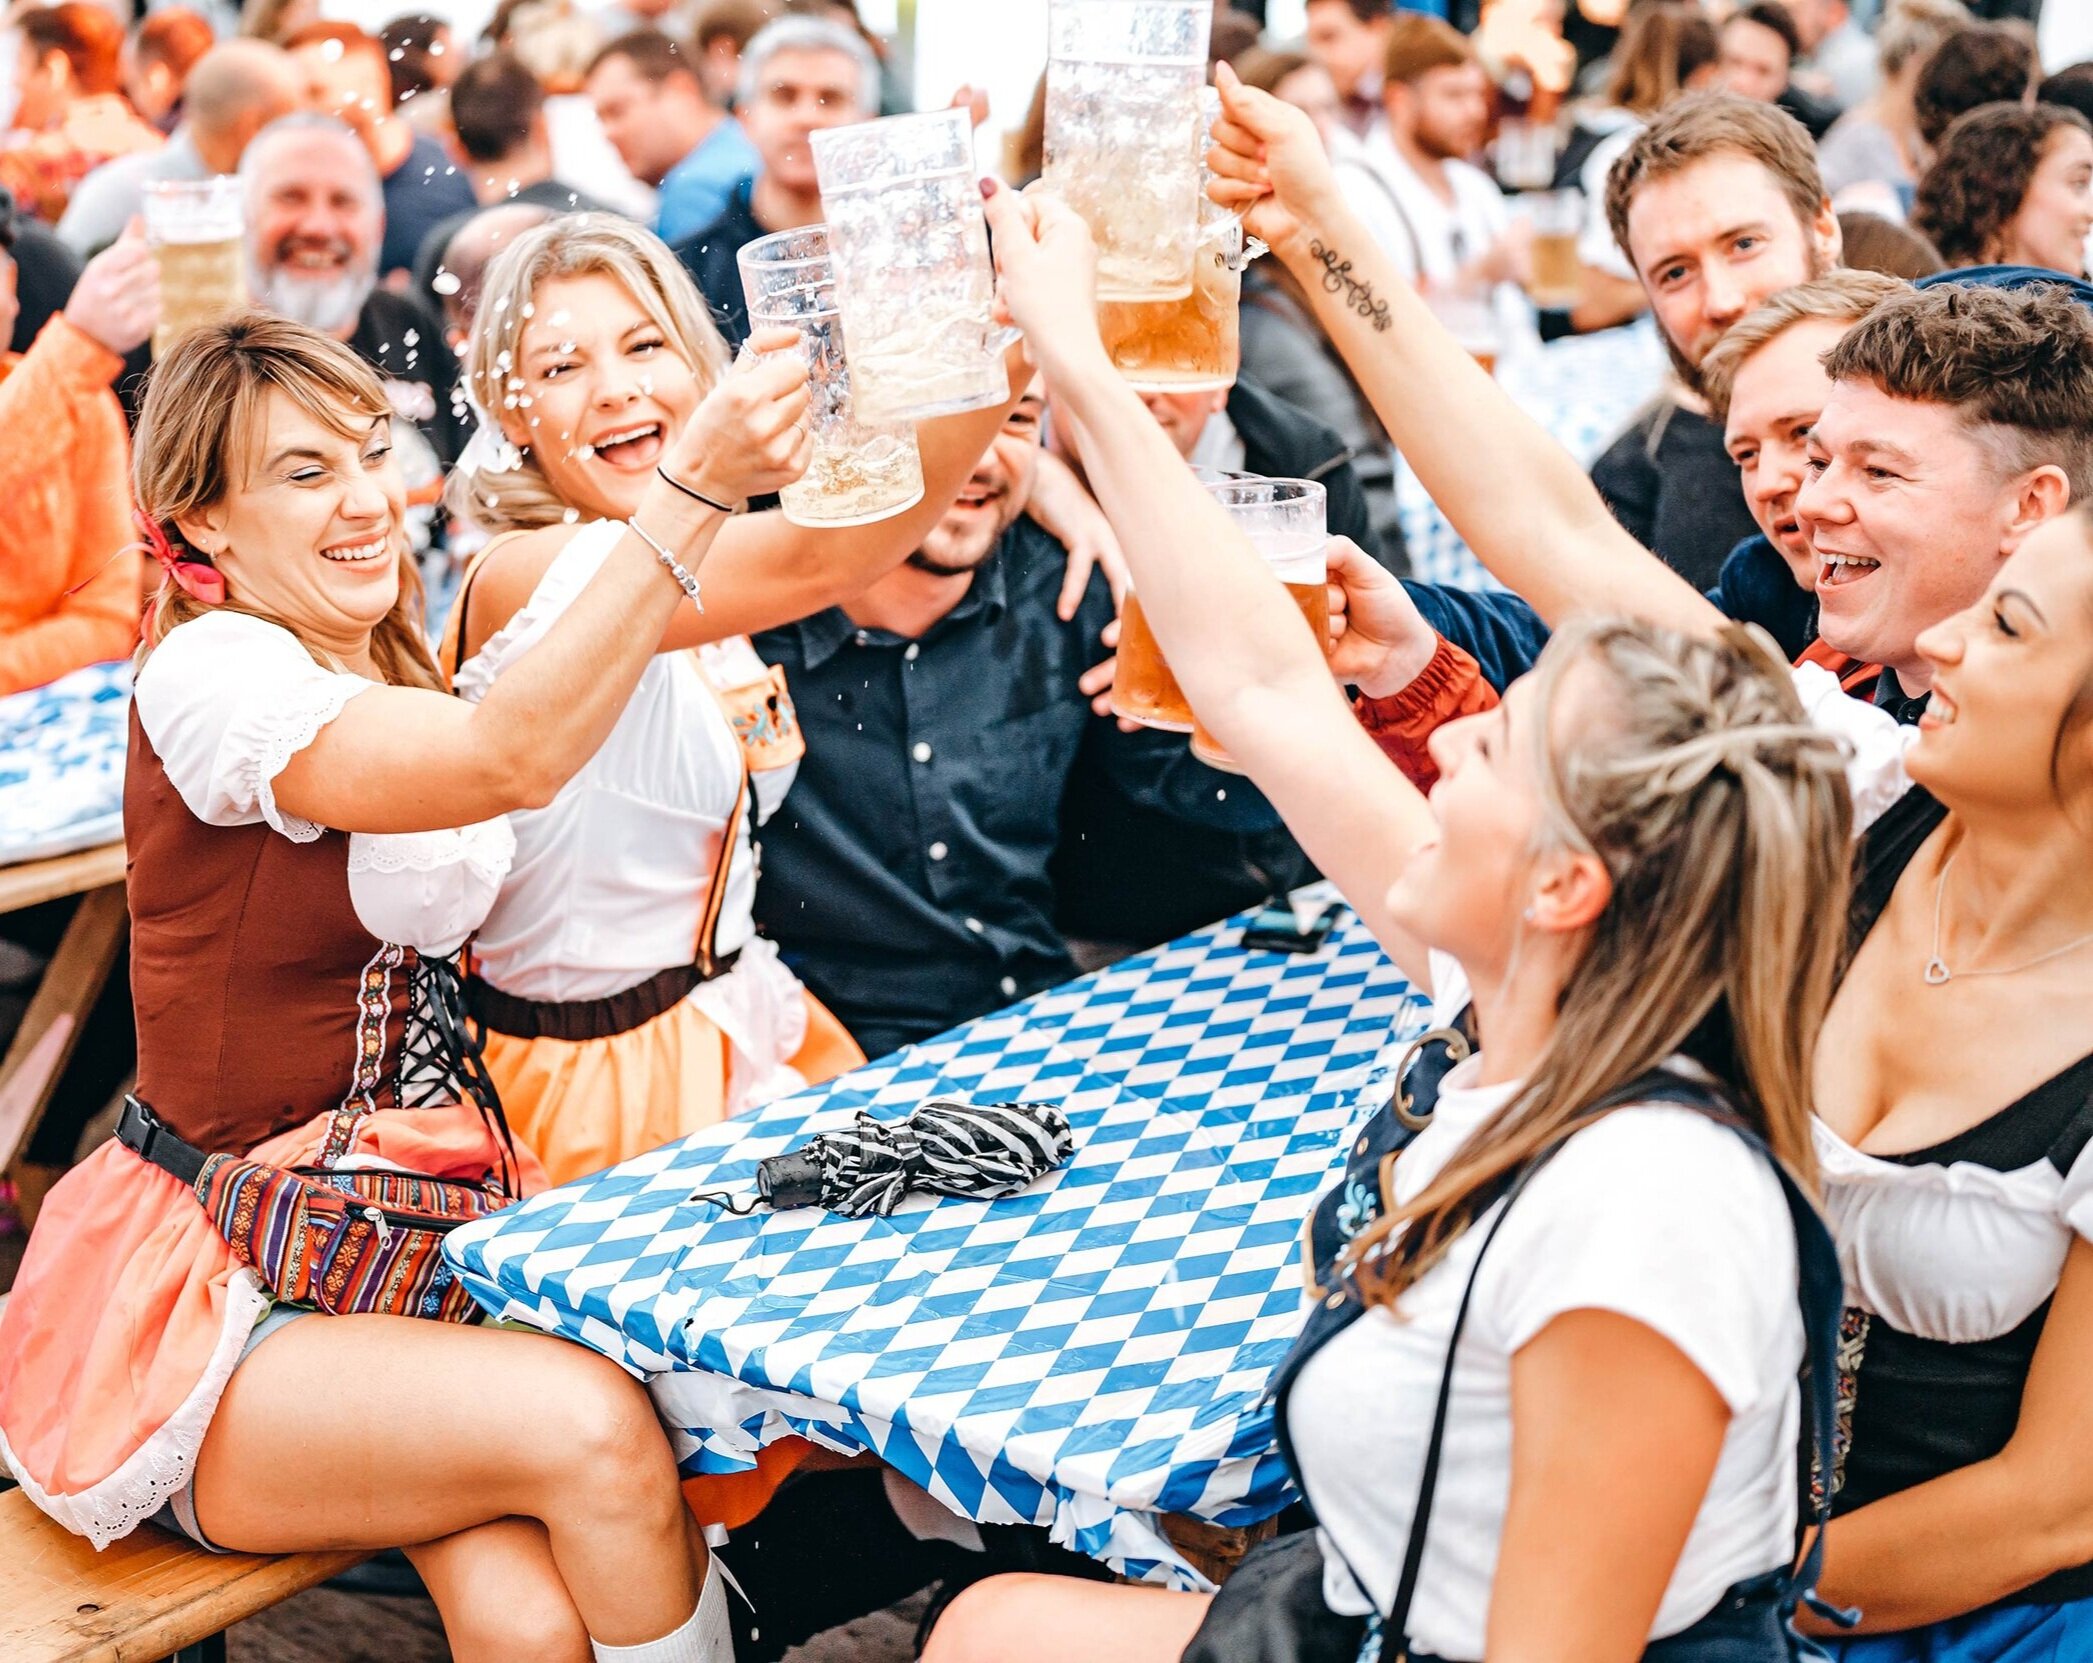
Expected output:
(203, 582)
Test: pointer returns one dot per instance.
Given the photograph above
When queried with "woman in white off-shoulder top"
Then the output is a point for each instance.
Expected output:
(625, 996)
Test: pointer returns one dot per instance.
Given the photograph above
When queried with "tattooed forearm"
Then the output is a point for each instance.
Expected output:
(1358, 293)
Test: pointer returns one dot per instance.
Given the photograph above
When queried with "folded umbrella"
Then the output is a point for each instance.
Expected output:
(965, 1149)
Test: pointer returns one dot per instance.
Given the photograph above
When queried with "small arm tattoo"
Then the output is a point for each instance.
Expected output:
(1358, 293)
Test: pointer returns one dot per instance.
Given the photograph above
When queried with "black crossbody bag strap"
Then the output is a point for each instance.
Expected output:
(1397, 1623)
(1819, 1292)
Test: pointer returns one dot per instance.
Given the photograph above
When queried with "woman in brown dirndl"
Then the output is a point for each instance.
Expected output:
(314, 828)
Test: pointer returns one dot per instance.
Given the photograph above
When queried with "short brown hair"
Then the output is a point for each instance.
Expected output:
(91, 39)
(1980, 176)
(1771, 14)
(735, 20)
(1706, 124)
(350, 39)
(494, 102)
(1418, 44)
(174, 36)
(1869, 242)
(1985, 63)
(652, 54)
(2016, 364)
(1836, 297)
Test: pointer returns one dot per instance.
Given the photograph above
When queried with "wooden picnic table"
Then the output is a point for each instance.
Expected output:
(42, 1047)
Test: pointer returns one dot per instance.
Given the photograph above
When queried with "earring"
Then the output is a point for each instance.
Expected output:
(1527, 915)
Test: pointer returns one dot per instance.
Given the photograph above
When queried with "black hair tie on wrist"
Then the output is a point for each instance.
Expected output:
(709, 502)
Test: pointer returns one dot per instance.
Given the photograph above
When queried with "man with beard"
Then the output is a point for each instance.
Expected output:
(315, 222)
(1718, 206)
(1442, 221)
(946, 709)
(351, 78)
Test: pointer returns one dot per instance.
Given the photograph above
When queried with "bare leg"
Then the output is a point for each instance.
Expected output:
(501, 1595)
(375, 1431)
(1048, 1619)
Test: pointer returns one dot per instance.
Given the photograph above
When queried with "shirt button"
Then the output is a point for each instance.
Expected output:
(938, 851)
(911, 651)
(921, 751)
(861, 638)
(975, 925)
(1009, 986)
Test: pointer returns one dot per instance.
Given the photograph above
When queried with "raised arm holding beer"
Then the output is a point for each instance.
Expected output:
(1643, 828)
(1553, 539)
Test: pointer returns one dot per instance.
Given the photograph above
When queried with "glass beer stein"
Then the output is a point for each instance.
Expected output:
(1122, 135)
(1286, 522)
(862, 470)
(909, 248)
(195, 229)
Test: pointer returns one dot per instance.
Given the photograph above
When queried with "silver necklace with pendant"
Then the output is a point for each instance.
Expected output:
(1937, 971)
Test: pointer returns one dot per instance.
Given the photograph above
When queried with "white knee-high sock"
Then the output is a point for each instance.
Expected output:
(705, 1638)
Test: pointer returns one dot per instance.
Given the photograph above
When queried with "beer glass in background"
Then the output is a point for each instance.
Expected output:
(1469, 315)
(910, 250)
(1143, 688)
(1122, 131)
(195, 229)
(1557, 218)
(1286, 521)
(1525, 153)
(862, 470)
(1193, 343)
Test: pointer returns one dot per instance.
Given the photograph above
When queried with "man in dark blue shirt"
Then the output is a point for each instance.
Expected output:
(905, 877)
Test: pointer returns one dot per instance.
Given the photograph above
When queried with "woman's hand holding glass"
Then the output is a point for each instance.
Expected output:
(751, 435)
(1267, 162)
(1046, 279)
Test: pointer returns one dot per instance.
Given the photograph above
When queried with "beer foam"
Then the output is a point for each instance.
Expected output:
(1293, 556)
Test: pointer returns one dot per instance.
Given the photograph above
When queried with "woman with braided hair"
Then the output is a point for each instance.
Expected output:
(1626, 858)
(1953, 1089)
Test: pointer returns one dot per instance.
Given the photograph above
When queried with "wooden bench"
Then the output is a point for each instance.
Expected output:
(151, 1595)
(88, 952)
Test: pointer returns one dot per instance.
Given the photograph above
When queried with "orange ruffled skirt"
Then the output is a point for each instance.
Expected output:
(130, 1312)
(587, 1104)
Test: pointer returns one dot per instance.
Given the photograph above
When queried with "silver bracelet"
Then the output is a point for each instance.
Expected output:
(686, 579)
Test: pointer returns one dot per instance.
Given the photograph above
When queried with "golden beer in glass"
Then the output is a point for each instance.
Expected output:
(195, 230)
(1286, 521)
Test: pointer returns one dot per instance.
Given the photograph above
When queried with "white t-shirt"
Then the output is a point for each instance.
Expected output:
(1655, 1213)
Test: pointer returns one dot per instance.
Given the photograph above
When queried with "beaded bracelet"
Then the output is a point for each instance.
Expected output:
(710, 502)
(686, 579)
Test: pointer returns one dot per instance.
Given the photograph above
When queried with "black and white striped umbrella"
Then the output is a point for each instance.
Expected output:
(965, 1149)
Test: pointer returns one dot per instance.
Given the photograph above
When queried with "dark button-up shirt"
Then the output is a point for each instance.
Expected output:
(709, 257)
(905, 877)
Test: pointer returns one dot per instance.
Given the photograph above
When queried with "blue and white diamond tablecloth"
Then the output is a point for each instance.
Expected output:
(62, 764)
(1583, 389)
(1088, 1355)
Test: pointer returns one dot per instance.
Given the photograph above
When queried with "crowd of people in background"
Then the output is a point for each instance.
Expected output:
(1748, 793)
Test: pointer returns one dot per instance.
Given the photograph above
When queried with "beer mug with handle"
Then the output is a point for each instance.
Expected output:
(861, 470)
(909, 248)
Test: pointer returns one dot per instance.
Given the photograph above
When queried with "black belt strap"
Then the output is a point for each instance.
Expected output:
(142, 1132)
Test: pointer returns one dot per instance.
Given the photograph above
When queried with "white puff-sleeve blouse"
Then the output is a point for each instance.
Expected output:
(228, 699)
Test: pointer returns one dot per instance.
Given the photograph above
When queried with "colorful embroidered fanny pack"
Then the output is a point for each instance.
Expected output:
(347, 1242)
